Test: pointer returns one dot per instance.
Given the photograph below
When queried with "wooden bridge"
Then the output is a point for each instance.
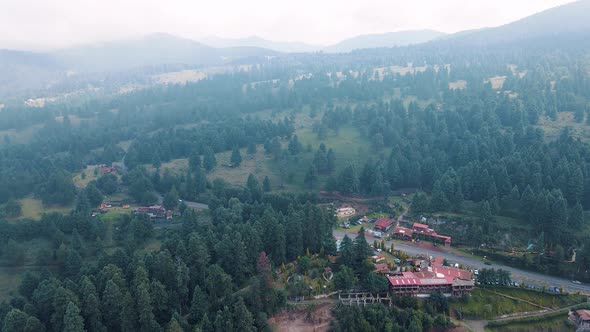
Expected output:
(364, 298)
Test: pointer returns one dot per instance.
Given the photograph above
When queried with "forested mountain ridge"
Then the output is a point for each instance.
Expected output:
(390, 39)
(559, 22)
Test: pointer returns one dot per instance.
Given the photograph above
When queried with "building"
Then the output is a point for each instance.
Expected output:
(422, 284)
(423, 231)
(382, 268)
(107, 169)
(154, 211)
(384, 224)
(402, 233)
(581, 318)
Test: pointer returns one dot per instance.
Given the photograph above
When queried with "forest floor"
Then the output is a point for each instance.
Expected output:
(306, 319)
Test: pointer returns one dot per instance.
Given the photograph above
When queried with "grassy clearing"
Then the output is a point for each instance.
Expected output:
(552, 128)
(81, 181)
(458, 85)
(33, 208)
(540, 324)
(114, 214)
(259, 164)
(543, 299)
(497, 82)
(22, 136)
(486, 304)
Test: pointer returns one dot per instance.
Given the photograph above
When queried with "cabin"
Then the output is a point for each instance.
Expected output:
(384, 224)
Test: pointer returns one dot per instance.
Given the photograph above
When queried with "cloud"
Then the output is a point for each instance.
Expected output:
(60, 23)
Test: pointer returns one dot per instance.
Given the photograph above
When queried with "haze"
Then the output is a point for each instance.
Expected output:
(40, 24)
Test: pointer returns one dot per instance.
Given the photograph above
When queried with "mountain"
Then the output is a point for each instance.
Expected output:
(564, 22)
(152, 50)
(390, 39)
(21, 70)
(254, 41)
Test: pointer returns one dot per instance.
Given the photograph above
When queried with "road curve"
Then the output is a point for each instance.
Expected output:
(518, 275)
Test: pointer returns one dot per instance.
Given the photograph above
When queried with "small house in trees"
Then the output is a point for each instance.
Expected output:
(384, 224)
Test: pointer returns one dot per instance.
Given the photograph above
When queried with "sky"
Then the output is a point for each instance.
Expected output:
(42, 24)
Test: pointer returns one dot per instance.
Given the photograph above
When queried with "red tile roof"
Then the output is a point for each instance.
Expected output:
(419, 225)
(383, 223)
(584, 314)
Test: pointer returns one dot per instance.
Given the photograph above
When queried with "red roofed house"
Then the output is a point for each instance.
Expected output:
(107, 169)
(437, 261)
(384, 224)
(381, 268)
(422, 230)
(580, 317)
(402, 233)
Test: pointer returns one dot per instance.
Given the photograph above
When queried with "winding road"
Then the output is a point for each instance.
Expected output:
(518, 275)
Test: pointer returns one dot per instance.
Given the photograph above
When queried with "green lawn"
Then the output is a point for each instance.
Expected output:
(540, 324)
(485, 304)
(33, 208)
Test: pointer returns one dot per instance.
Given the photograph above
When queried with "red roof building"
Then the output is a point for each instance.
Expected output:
(403, 233)
(384, 224)
(423, 284)
(423, 231)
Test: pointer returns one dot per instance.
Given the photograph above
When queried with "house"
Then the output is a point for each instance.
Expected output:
(154, 211)
(402, 233)
(384, 224)
(378, 258)
(382, 268)
(107, 169)
(423, 231)
(581, 318)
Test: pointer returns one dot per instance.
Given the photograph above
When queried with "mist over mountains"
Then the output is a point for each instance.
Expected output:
(22, 71)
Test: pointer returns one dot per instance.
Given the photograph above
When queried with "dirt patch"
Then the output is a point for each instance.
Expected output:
(497, 82)
(314, 319)
(458, 85)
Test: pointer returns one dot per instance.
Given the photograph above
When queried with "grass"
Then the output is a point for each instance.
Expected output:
(114, 213)
(552, 128)
(22, 136)
(81, 181)
(33, 208)
(483, 303)
(497, 82)
(458, 85)
(540, 324)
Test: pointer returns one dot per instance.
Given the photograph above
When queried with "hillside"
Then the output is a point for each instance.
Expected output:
(390, 39)
(152, 50)
(567, 21)
(255, 41)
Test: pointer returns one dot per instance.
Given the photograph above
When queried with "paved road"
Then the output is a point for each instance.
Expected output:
(518, 275)
(192, 205)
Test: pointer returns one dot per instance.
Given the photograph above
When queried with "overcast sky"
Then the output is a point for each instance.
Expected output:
(59, 23)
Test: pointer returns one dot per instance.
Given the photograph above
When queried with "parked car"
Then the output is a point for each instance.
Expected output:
(576, 282)
(488, 263)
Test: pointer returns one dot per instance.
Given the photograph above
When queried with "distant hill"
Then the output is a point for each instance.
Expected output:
(567, 21)
(254, 41)
(390, 39)
(152, 50)
(21, 70)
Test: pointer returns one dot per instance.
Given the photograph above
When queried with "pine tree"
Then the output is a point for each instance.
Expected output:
(266, 184)
(209, 161)
(236, 157)
(242, 317)
(198, 306)
(72, 321)
(15, 321)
